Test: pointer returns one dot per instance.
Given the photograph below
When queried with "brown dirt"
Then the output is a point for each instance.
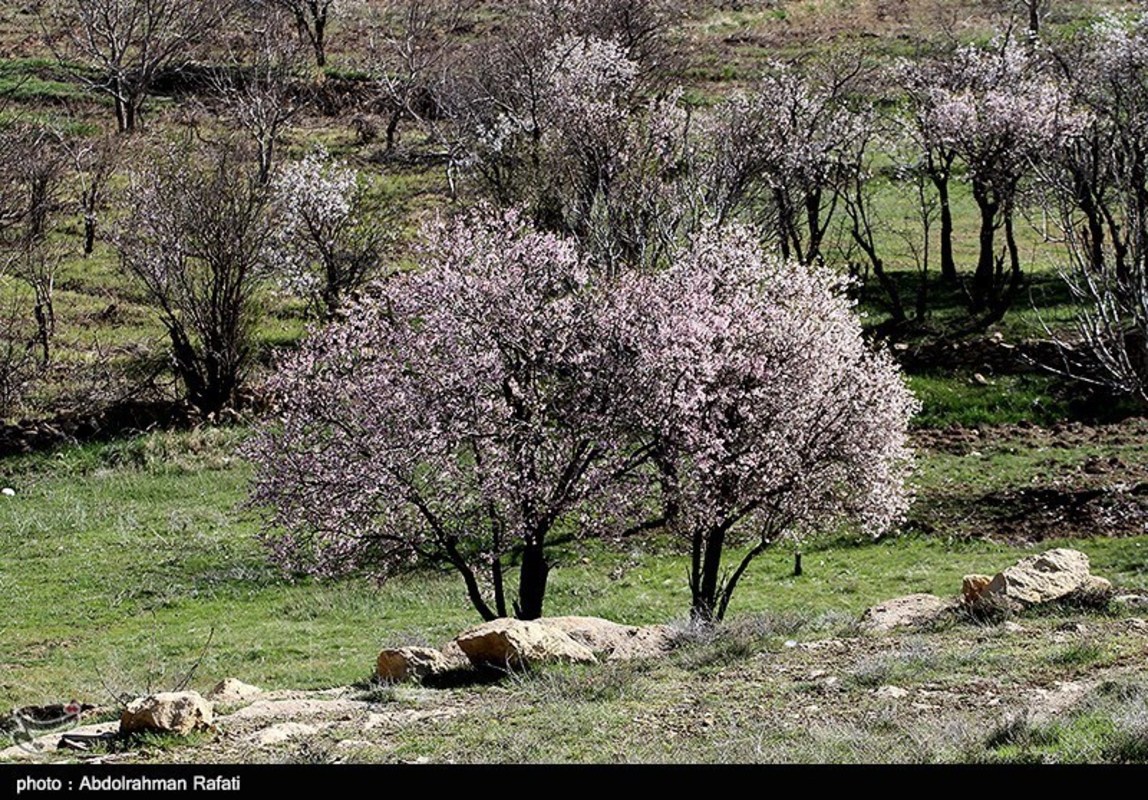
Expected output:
(1068, 494)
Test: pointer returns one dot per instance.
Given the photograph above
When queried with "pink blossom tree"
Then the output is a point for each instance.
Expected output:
(998, 113)
(455, 419)
(783, 153)
(765, 413)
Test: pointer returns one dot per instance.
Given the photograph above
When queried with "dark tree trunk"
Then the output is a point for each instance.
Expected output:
(705, 591)
(948, 263)
(89, 235)
(393, 129)
(532, 582)
(983, 279)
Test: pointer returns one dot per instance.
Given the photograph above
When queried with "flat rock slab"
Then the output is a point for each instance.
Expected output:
(1040, 578)
(517, 644)
(612, 640)
(294, 709)
(903, 612)
(282, 732)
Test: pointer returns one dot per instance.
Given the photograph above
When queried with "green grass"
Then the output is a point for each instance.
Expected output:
(120, 562)
(958, 399)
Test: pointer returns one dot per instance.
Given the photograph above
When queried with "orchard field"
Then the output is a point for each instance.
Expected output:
(174, 233)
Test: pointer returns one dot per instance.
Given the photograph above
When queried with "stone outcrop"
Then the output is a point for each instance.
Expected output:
(178, 713)
(233, 690)
(1052, 575)
(411, 663)
(908, 611)
(516, 644)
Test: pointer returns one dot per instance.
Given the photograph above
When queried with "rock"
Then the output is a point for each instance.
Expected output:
(1131, 600)
(516, 644)
(233, 690)
(651, 641)
(1136, 624)
(600, 635)
(890, 692)
(1013, 627)
(1039, 579)
(1072, 627)
(972, 586)
(277, 734)
(167, 712)
(1094, 589)
(455, 656)
(411, 663)
(614, 641)
(910, 610)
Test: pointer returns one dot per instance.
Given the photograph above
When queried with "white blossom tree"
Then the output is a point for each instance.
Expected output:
(330, 242)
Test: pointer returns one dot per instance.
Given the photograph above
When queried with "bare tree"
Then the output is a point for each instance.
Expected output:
(124, 45)
(33, 166)
(262, 92)
(410, 52)
(93, 163)
(311, 18)
(197, 243)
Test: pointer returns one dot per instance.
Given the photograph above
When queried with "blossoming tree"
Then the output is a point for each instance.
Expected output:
(456, 419)
(329, 245)
(765, 413)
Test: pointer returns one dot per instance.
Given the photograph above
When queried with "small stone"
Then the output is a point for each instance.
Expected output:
(973, 585)
(411, 663)
(891, 692)
(353, 744)
(1072, 627)
(1136, 624)
(1013, 627)
(790, 643)
(8, 491)
(233, 690)
(980, 379)
(167, 712)
(1131, 600)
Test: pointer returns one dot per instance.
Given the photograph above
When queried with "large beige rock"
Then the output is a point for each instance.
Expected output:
(612, 640)
(233, 690)
(907, 611)
(600, 635)
(1039, 579)
(167, 712)
(973, 586)
(511, 643)
(411, 663)
(651, 641)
